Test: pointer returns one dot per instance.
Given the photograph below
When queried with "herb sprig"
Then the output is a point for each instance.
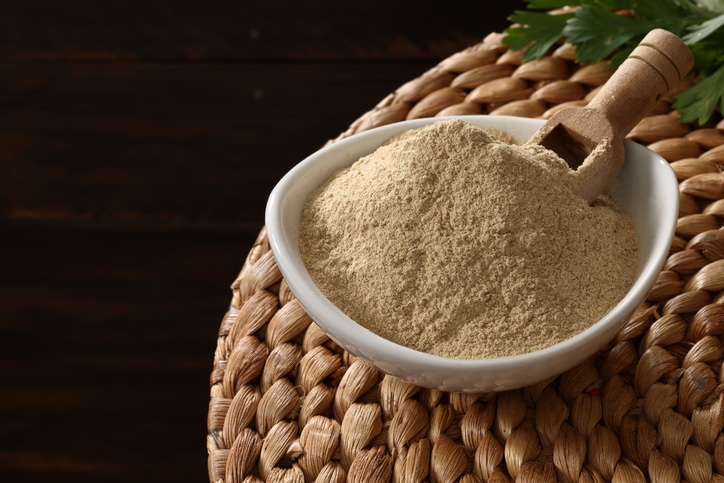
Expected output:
(599, 31)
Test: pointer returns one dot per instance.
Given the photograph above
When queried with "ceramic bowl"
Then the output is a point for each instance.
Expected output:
(646, 187)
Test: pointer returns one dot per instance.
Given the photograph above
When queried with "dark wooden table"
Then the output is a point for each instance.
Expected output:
(138, 143)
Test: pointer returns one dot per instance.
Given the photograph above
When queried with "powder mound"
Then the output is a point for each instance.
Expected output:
(450, 241)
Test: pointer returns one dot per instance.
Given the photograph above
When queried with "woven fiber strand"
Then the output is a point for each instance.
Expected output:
(289, 405)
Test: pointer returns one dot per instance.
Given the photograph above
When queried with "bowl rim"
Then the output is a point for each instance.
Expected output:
(320, 308)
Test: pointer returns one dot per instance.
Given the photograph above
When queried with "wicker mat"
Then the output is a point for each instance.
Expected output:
(287, 404)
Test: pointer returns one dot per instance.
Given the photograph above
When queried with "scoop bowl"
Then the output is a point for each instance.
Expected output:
(646, 187)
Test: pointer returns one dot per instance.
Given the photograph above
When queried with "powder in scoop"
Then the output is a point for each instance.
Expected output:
(450, 241)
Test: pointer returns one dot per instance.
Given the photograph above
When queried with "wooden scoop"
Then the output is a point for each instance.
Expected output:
(654, 67)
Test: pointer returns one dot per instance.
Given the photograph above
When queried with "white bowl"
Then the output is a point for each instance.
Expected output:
(646, 187)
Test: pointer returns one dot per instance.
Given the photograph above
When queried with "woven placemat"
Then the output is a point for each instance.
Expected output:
(287, 404)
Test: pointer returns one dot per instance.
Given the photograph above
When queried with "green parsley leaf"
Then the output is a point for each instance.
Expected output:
(666, 14)
(597, 33)
(610, 4)
(539, 32)
(698, 102)
(711, 6)
(699, 32)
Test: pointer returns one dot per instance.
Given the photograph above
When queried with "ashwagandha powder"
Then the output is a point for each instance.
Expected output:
(452, 242)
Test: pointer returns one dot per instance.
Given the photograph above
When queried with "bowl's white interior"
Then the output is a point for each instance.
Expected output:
(646, 187)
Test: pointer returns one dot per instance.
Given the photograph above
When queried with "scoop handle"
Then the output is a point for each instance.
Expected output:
(652, 69)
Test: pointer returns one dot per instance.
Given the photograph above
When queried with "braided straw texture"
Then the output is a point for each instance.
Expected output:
(289, 405)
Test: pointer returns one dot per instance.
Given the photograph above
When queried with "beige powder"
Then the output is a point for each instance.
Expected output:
(449, 241)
